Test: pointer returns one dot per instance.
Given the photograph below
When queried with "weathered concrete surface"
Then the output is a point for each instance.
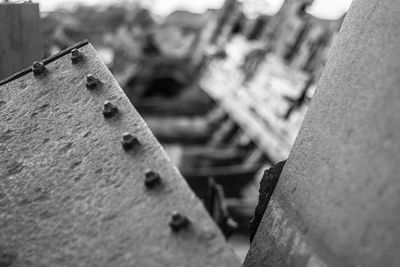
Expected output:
(21, 40)
(70, 195)
(338, 199)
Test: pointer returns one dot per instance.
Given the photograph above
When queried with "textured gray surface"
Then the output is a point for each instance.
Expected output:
(70, 195)
(21, 37)
(338, 199)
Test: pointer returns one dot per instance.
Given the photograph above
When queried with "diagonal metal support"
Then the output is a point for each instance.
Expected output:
(74, 187)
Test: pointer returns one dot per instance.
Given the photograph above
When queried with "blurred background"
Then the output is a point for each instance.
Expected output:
(223, 84)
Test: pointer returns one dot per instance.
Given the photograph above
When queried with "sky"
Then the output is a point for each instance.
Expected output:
(328, 9)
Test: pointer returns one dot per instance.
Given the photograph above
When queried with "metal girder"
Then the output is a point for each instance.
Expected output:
(337, 200)
(258, 108)
(76, 191)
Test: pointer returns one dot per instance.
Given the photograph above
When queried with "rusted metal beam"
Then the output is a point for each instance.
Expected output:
(83, 182)
(337, 201)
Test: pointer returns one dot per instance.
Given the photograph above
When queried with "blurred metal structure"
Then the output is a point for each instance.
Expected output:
(217, 207)
(258, 108)
(82, 186)
(21, 38)
(337, 201)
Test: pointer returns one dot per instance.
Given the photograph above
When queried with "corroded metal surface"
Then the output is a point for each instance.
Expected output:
(337, 201)
(71, 195)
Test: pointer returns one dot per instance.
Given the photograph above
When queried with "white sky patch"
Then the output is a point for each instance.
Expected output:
(328, 9)
(253, 8)
(163, 7)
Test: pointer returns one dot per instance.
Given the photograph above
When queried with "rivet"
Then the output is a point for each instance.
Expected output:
(76, 56)
(91, 82)
(178, 221)
(129, 141)
(152, 179)
(38, 68)
(109, 109)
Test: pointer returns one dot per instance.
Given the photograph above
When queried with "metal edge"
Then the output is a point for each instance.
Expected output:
(45, 61)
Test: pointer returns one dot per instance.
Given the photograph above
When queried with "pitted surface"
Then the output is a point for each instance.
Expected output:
(337, 201)
(70, 195)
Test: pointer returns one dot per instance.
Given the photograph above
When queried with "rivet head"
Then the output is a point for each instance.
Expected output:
(109, 109)
(152, 179)
(91, 82)
(38, 68)
(129, 141)
(178, 221)
(76, 56)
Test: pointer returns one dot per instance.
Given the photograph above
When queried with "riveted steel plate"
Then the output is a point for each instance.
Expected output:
(70, 195)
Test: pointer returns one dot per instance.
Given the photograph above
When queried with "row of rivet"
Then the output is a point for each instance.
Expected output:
(152, 179)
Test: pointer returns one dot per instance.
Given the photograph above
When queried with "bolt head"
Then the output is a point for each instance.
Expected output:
(90, 78)
(126, 136)
(129, 141)
(109, 109)
(38, 68)
(152, 179)
(76, 56)
(91, 82)
(178, 221)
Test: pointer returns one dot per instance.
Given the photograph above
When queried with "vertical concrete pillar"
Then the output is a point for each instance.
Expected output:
(337, 201)
(20, 37)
